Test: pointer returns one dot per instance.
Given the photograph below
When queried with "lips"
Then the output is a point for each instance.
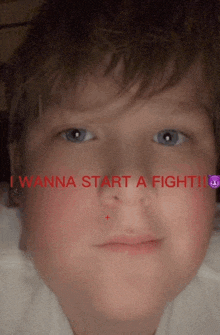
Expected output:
(132, 246)
(127, 240)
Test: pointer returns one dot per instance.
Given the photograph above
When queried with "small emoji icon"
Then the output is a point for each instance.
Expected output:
(214, 181)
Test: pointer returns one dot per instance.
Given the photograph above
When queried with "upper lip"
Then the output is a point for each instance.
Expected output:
(123, 239)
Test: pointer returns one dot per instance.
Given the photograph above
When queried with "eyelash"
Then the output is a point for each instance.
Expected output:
(180, 134)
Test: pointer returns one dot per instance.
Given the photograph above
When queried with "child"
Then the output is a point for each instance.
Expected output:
(136, 83)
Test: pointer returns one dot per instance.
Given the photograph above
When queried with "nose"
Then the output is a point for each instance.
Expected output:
(132, 193)
(129, 207)
(131, 157)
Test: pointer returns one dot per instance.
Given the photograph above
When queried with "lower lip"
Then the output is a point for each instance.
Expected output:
(135, 249)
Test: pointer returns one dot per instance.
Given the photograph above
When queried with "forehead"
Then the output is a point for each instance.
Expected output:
(96, 95)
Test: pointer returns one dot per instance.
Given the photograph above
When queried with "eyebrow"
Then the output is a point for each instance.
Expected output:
(198, 108)
(114, 110)
(186, 107)
(182, 108)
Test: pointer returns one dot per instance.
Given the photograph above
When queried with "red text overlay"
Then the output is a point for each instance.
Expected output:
(114, 181)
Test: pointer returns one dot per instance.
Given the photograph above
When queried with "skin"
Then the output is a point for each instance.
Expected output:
(114, 293)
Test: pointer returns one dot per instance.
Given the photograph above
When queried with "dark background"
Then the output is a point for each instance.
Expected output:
(4, 161)
(14, 18)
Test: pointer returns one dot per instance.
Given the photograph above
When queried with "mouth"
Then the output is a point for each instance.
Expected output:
(125, 239)
(132, 246)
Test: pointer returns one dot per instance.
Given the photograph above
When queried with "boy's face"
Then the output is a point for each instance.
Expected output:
(65, 225)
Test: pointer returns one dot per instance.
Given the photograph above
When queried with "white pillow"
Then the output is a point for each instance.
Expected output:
(10, 226)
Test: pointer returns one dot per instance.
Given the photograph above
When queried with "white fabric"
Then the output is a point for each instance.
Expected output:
(29, 307)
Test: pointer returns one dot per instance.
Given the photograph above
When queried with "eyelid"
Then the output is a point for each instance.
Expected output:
(80, 127)
(183, 132)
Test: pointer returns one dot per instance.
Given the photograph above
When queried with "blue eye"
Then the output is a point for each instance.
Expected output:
(167, 137)
(77, 135)
(170, 137)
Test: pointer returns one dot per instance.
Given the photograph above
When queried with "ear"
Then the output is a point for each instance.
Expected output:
(15, 158)
(15, 198)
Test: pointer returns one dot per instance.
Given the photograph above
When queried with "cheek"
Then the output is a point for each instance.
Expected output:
(60, 233)
(61, 217)
(193, 205)
(190, 208)
(189, 215)
(188, 212)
